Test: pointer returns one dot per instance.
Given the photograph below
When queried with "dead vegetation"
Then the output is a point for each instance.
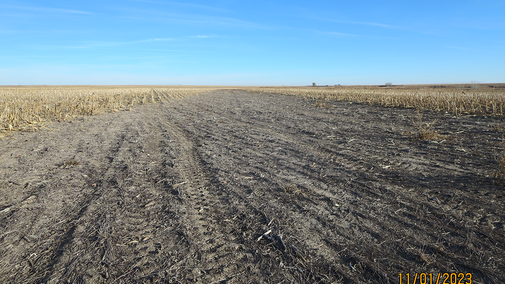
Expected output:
(70, 163)
(322, 104)
(296, 190)
(455, 100)
(28, 108)
(500, 172)
(425, 130)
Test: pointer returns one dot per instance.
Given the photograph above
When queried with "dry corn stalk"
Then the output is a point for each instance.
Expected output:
(26, 108)
(453, 100)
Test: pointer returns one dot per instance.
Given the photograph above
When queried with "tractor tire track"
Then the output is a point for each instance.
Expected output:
(341, 191)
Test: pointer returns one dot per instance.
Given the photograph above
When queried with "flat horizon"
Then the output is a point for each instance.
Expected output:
(322, 85)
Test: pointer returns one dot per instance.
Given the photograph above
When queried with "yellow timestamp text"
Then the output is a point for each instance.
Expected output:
(438, 278)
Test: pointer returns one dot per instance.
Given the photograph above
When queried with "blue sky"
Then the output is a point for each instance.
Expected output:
(232, 42)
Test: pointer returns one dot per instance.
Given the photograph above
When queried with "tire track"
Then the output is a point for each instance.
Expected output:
(203, 203)
(92, 224)
(365, 203)
(116, 207)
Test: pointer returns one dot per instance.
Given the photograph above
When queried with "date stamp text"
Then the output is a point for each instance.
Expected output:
(435, 278)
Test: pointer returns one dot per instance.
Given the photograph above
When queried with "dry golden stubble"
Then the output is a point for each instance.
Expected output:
(29, 108)
(500, 172)
(489, 102)
(322, 104)
(425, 130)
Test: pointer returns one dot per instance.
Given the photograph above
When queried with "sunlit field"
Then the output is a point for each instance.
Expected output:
(27, 108)
(314, 184)
(458, 100)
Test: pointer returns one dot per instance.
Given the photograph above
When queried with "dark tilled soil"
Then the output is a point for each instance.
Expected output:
(181, 192)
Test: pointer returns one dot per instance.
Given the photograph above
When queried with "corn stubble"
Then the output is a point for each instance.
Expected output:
(29, 108)
(452, 100)
(485, 102)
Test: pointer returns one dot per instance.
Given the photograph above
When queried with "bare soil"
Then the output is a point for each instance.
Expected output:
(180, 192)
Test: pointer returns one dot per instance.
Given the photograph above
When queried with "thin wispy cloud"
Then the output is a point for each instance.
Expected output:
(97, 44)
(340, 34)
(187, 5)
(367, 24)
(178, 50)
(48, 10)
(219, 21)
(407, 29)
(35, 31)
(334, 33)
(157, 57)
(204, 36)
(190, 18)
(151, 40)
(457, 47)
(373, 24)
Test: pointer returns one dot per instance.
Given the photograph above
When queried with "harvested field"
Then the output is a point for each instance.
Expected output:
(455, 99)
(184, 190)
(27, 108)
